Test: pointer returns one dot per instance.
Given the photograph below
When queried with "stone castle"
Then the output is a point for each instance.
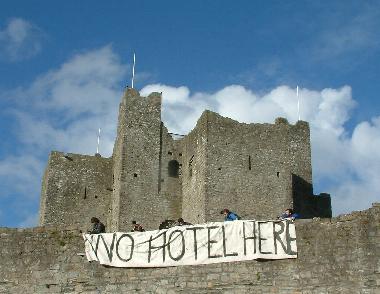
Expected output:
(254, 169)
(257, 170)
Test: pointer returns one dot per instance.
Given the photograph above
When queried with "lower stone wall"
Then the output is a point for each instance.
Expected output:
(341, 255)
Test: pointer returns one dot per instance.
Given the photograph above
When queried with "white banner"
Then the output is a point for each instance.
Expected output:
(196, 244)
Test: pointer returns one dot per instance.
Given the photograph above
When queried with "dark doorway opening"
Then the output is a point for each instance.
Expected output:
(173, 168)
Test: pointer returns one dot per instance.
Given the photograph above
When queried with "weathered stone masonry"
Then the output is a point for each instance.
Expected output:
(254, 169)
(74, 188)
(339, 255)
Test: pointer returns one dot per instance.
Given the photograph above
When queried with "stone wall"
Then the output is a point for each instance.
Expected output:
(75, 188)
(119, 156)
(339, 255)
(170, 174)
(248, 168)
(194, 166)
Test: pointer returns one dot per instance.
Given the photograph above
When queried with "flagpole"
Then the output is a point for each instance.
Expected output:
(298, 105)
(97, 146)
(133, 68)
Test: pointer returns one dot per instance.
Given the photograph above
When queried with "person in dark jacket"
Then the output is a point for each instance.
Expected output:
(137, 227)
(229, 215)
(97, 227)
(181, 222)
(289, 214)
(166, 224)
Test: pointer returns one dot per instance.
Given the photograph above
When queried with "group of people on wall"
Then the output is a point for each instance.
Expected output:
(98, 227)
(288, 214)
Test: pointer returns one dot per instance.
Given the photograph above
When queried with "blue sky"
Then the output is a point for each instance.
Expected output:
(63, 66)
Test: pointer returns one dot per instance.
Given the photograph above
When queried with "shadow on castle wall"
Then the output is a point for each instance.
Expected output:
(306, 203)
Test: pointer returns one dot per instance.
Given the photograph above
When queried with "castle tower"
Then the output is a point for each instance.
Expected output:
(257, 170)
(137, 163)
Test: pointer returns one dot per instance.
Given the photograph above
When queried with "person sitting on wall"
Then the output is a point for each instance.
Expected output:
(229, 215)
(137, 227)
(289, 214)
(166, 224)
(98, 227)
(181, 222)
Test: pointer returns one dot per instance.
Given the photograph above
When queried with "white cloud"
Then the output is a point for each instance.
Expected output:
(363, 157)
(327, 109)
(65, 107)
(20, 185)
(20, 174)
(19, 40)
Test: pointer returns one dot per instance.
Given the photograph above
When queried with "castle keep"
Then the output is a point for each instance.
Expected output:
(256, 170)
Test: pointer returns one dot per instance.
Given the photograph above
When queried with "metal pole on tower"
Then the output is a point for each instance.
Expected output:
(133, 68)
(298, 105)
(97, 146)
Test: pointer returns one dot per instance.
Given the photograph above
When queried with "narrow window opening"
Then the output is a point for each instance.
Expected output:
(191, 166)
(85, 193)
(180, 154)
(173, 168)
(278, 174)
(96, 196)
(249, 162)
(219, 168)
(170, 153)
(135, 175)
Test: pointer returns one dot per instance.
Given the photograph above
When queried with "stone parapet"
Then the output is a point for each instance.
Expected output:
(338, 255)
